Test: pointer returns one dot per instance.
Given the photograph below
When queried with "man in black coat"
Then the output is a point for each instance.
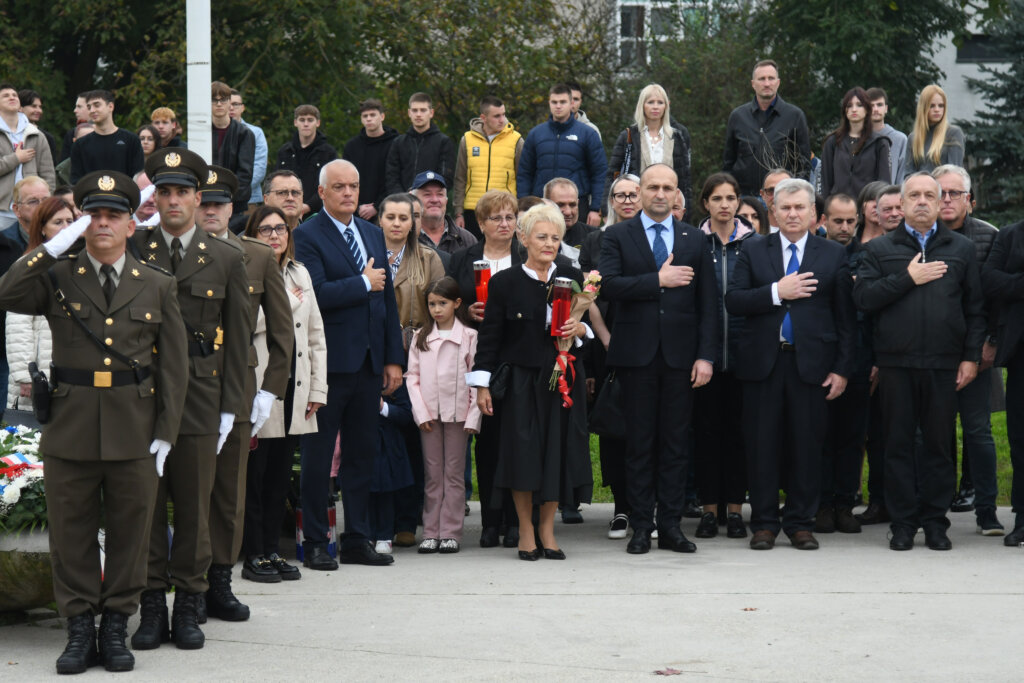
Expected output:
(369, 152)
(663, 345)
(305, 154)
(797, 353)
(422, 148)
(1002, 278)
(766, 133)
(922, 285)
(234, 145)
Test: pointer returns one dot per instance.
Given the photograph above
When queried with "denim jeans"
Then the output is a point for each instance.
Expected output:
(974, 405)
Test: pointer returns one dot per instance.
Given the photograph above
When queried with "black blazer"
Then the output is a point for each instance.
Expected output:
(1002, 280)
(514, 327)
(824, 324)
(461, 268)
(683, 321)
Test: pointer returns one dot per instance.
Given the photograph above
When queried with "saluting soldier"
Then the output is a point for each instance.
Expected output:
(266, 289)
(212, 290)
(113, 408)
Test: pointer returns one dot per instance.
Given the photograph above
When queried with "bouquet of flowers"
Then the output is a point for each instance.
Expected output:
(22, 495)
(581, 300)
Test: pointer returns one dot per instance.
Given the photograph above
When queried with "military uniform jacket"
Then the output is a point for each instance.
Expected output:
(266, 289)
(212, 294)
(142, 322)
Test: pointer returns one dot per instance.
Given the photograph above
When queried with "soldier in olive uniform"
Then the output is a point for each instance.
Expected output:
(266, 289)
(113, 408)
(212, 288)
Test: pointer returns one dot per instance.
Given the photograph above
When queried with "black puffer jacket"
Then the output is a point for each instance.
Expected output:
(680, 161)
(413, 153)
(984, 236)
(932, 326)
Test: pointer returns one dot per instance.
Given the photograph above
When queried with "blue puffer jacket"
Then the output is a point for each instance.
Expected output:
(563, 150)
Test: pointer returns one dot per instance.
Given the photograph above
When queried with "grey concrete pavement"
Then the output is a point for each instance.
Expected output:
(852, 611)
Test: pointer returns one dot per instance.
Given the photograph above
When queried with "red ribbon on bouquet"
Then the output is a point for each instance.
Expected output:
(564, 361)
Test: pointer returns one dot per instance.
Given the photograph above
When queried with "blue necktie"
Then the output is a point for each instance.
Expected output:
(792, 267)
(659, 248)
(350, 239)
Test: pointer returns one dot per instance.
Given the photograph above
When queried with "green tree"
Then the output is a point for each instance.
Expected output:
(705, 69)
(825, 47)
(996, 139)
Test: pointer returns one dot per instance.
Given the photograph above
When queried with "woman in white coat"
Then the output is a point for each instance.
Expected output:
(270, 463)
(28, 336)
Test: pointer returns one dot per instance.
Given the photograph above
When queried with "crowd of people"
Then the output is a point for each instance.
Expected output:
(755, 335)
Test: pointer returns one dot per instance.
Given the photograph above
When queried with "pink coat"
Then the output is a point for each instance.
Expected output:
(437, 378)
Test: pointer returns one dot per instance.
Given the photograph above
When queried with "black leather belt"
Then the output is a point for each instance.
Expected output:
(201, 348)
(102, 379)
(786, 346)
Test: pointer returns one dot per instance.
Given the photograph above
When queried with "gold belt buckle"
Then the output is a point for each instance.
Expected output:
(102, 379)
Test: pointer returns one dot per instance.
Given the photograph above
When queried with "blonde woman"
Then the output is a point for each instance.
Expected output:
(934, 141)
(654, 138)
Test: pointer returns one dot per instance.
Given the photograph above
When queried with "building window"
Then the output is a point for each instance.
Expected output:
(980, 48)
(631, 35)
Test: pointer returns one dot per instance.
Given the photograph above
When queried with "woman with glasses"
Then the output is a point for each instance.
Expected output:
(413, 266)
(654, 138)
(270, 463)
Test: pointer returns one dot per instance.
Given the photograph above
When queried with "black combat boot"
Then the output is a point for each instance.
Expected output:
(221, 603)
(185, 632)
(80, 652)
(153, 625)
(113, 652)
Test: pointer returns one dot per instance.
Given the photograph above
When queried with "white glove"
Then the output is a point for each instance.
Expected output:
(160, 449)
(63, 240)
(261, 406)
(146, 193)
(227, 423)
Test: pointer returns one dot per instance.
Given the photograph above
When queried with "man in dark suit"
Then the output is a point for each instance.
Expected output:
(1002, 278)
(364, 344)
(663, 345)
(794, 289)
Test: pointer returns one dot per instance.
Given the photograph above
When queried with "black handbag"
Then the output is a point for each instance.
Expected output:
(41, 393)
(499, 381)
(606, 417)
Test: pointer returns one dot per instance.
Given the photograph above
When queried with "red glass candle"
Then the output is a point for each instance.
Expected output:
(481, 275)
(561, 303)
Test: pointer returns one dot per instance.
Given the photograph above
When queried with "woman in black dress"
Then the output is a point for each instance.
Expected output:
(544, 454)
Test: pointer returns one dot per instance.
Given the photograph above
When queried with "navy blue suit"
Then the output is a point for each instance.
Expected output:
(363, 335)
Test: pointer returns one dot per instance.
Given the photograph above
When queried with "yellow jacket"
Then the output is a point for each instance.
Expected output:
(485, 165)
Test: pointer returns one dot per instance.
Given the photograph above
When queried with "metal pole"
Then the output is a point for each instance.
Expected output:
(198, 73)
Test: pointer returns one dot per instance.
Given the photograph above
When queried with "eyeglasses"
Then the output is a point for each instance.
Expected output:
(953, 195)
(508, 220)
(221, 100)
(268, 230)
(237, 104)
(768, 191)
(621, 197)
(284, 194)
(30, 202)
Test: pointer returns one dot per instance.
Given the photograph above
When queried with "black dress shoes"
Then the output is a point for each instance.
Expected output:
(936, 539)
(675, 540)
(825, 520)
(550, 554)
(571, 516)
(318, 558)
(964, 500)
(1015, 537)
(902, 538)
(113, 652)
(640, 543)
(80, 652)
(875, 513)
(530, 555)
(708, 526)
(365, 554)
(846, 523)
(511, 539)
(489, 537)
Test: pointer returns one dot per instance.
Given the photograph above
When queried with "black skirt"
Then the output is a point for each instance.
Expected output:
(544, 447)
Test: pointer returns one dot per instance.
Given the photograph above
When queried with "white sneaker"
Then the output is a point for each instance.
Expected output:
(618, 526)
(383, 547)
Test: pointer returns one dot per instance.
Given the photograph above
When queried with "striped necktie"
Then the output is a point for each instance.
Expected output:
(350, 240)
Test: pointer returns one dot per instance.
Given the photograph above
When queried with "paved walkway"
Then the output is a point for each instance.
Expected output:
(852, 611)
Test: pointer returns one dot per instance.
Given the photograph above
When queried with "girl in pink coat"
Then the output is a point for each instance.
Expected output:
(445, 409)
